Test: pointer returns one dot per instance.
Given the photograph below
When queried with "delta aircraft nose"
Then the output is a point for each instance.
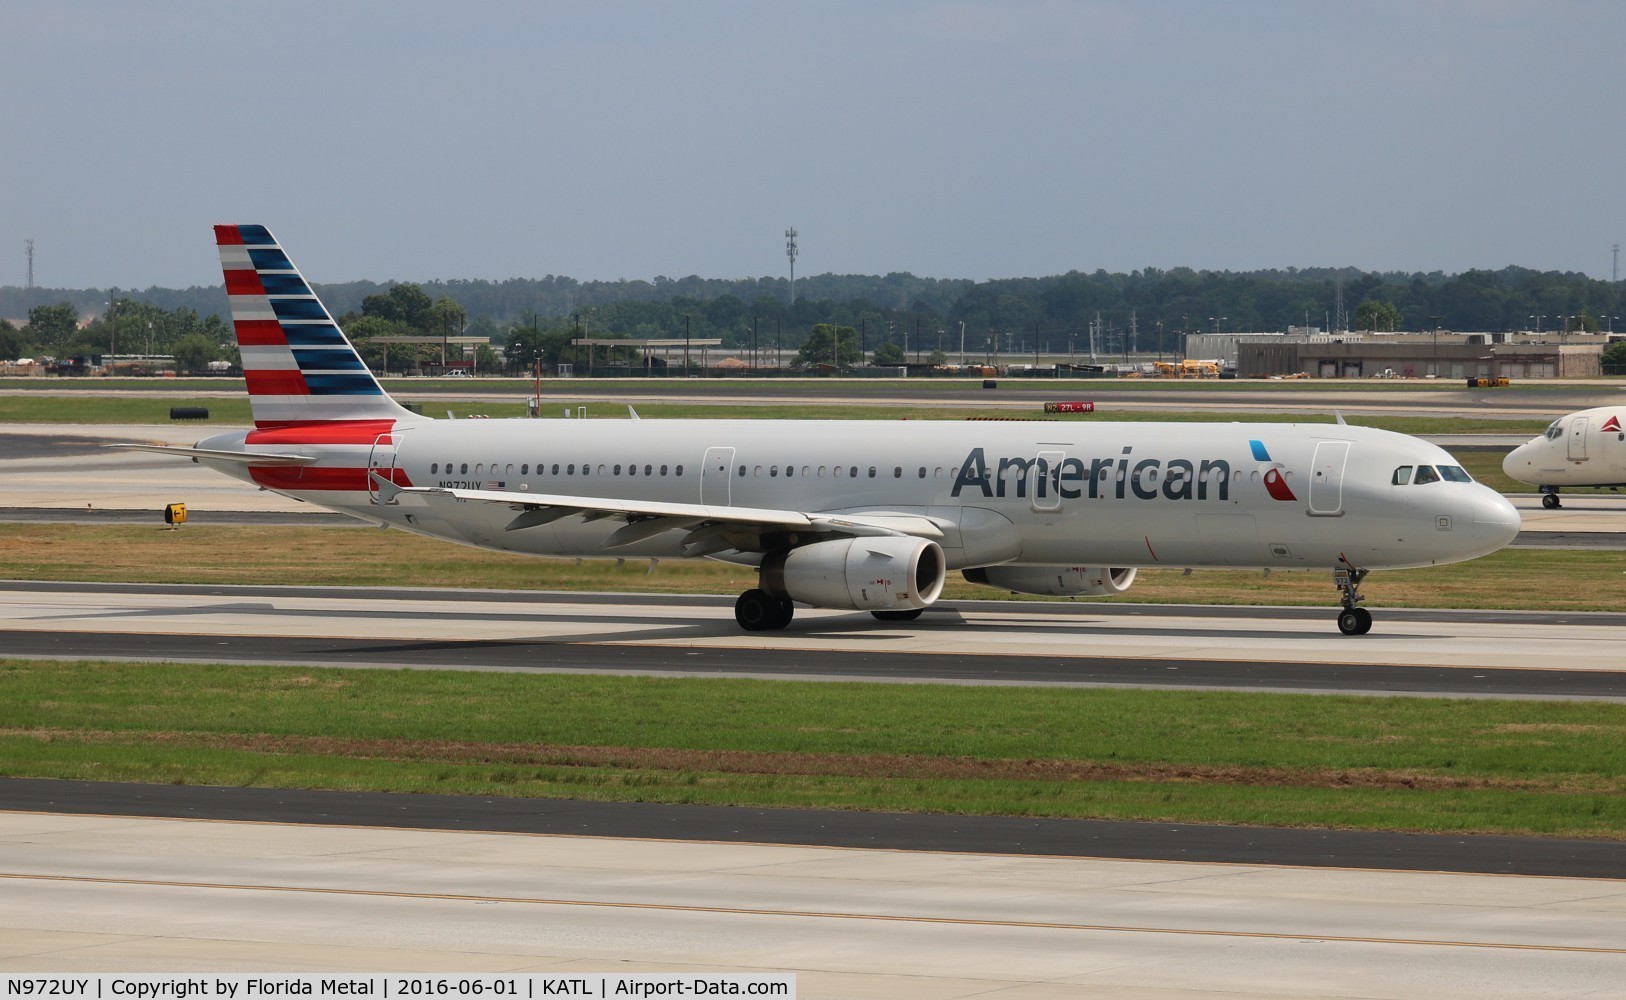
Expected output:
(1517, 463)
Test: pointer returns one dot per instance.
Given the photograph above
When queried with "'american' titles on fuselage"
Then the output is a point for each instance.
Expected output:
(1182, 478)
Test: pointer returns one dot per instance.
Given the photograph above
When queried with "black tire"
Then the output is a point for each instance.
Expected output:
(898, 616)
(784, 610)
(1550, 501)
(756, 611)
(1350, 621)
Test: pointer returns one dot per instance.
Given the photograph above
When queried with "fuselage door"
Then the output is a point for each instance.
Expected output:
(381, 461)
(1327, 478)
(716, 476)
(1044, 481)
(1578, 428)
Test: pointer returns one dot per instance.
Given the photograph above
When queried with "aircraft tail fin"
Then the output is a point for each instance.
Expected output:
(300, 367)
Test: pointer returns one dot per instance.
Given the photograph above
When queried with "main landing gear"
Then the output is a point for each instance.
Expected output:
(1549, 497)
(759, 611)
(1353, 619)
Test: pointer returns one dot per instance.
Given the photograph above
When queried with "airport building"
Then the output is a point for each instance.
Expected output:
(1415, 355)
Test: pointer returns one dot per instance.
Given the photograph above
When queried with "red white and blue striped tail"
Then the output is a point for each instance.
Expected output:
(300, 367)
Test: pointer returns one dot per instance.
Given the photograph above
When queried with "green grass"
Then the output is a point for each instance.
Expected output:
(138, 408)
(361, 556)
(1413, 764)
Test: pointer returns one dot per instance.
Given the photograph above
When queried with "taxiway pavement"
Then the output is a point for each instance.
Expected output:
(102, 893)
(1458, 653)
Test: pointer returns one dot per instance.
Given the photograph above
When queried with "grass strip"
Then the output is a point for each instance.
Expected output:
(138, 408)
(1512, 767)
(332, 556)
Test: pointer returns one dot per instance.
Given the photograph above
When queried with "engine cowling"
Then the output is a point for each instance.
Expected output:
(859, 574)
(1054, 581)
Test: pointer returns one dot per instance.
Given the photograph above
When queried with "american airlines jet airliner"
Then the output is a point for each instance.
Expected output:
(852, 515)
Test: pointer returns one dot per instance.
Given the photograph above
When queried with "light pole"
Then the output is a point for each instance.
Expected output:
(112, 333)
(791, 251)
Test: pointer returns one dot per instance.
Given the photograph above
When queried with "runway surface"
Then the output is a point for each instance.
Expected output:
(1293, 649)
(90, 893)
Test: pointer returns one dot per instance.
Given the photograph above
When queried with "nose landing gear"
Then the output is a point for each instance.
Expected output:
(1353, 619)
(1549, 497)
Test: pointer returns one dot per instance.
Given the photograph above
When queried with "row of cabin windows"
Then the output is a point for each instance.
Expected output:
(480, 469)
(852, 472)
(849, 471)
(1428, 474)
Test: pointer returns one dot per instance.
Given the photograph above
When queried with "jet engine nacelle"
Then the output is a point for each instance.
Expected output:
(858, 574)
(1055, 581)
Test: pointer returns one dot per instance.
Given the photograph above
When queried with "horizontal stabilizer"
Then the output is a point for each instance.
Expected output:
(235, 457)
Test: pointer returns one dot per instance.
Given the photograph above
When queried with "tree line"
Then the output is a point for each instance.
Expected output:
(537, 317)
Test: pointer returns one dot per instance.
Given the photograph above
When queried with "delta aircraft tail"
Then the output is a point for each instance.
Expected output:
(300, 367)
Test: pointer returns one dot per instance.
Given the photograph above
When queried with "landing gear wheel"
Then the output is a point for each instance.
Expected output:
(1354, 621)
(1549, 501)
(757, 612)
(784, 611)
(898, 616)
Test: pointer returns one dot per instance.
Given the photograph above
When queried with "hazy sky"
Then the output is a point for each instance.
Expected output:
(413, 140)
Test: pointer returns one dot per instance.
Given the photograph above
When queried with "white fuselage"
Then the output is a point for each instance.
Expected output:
(1281, 496)
(1586, 448)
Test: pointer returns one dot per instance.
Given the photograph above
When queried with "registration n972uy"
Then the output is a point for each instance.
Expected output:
(855, 515)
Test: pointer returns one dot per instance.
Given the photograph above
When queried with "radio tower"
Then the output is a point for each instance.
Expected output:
(790, 251)
(29, 244)
(1614, 271)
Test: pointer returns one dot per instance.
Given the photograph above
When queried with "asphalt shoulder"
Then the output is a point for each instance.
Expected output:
(999, 835)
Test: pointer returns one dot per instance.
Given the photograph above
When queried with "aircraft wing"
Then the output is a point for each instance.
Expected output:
(235, 457)
(708, 525)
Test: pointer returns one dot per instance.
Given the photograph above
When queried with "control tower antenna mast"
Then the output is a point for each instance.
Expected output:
(790, 252)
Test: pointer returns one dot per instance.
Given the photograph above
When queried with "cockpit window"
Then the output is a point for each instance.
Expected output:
(1402, 476)
(1455, 474)
(1554, 431)
(1426, 474)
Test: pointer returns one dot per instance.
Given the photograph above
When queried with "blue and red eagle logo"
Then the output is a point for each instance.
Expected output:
(1275, 482)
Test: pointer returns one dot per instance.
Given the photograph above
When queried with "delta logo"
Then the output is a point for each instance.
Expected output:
(1612, 424)
(1275, 482)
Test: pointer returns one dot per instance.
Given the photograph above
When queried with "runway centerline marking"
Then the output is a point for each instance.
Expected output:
(816, 914)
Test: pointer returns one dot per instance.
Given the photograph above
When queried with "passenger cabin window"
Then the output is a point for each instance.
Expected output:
(1426, 474)
(1402, 476)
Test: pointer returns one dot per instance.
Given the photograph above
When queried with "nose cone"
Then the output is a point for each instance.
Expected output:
(1520, 462)
(1496, 521)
